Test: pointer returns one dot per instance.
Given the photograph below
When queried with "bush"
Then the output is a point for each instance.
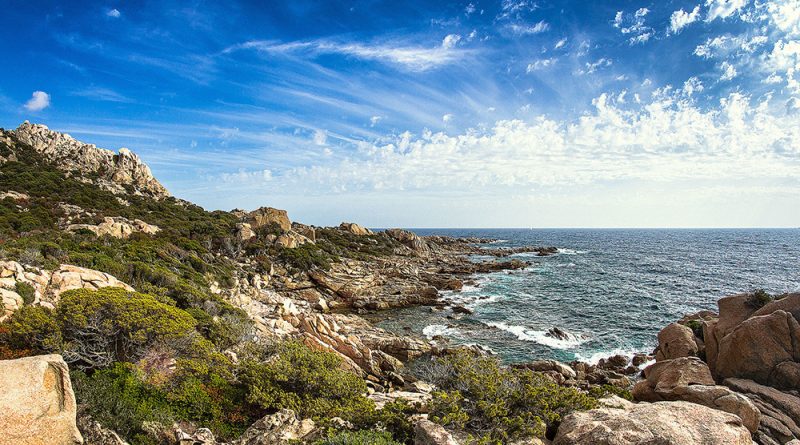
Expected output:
(119, 400)
(306, 257)
(496, 404)
(32, 328)
(312, 383)
(363, 437)
(114, 325)
(26, 291)
(758, 299)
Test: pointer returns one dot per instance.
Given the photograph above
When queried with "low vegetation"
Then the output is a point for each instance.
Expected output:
(496, 404)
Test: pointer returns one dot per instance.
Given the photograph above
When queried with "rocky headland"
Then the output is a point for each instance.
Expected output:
(245, 279)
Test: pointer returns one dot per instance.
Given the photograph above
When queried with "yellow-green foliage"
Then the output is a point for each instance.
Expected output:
(497, 404)
(363, 437)
(312, 383)
(112, 325)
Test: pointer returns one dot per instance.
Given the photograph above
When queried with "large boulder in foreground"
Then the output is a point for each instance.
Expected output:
(37, 405)
(763, 348)
(688, 379)
(661, 423)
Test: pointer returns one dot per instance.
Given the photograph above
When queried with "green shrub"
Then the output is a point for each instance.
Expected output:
(26, 291)
(363, 437)
(758, 299)
(111, 324)
(34, 328)
(312, 383)
(306, 257)
(497, 404)
(697, 328)
(120, 400)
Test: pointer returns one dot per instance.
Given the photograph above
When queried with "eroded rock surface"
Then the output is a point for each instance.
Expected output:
(37, 405)
(662, 423)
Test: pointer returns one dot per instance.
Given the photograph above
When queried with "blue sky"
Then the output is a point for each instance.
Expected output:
(503, 113)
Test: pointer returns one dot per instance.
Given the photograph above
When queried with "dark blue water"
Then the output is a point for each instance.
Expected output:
(611, 290)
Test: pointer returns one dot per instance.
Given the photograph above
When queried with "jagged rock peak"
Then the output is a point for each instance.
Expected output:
(115, 170)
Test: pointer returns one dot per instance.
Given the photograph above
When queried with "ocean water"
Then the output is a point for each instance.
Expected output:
(611, 290)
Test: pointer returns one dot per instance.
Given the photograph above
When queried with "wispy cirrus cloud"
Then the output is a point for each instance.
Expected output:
(416, 58)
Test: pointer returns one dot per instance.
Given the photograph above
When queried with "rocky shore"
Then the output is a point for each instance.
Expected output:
(725, 377)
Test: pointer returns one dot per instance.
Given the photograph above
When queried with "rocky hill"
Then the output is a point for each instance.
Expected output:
(183, 326)
(120, 173)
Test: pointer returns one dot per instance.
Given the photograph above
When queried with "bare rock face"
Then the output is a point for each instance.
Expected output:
(49, 285)
(37, 404)
(117, 227)
(674, 341)
(10, 302)
(281, 428)
(115, 170)
(662, 423)
(757, 348)
(265, 216)
(355, 229)
(409, 239)
(780, 411)
(688, 379)
(429, 433)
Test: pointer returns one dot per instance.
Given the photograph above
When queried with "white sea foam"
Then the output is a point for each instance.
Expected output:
(595, 357)
(565, 251)
(540, 337)
(433, 330)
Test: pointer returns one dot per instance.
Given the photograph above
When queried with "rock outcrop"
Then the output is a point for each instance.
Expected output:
(37, 405)
(780, 411)
(118, 227)
(281, 428)
(675, 341)
(116, 172)
(761, 344)
(688, 379)
(355, 229)
(429, 433)
(265, 216)
(49, 285)
(663, 423)
(409, 239)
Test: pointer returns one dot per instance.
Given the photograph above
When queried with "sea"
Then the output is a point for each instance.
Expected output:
(609, 290)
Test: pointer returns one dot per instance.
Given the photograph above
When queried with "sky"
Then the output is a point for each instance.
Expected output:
(501, 113)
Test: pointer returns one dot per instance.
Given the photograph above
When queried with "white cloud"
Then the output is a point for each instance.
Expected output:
(113, 13)
(540, 64)
(680, 19)
(592, 67)
(728, 71)
(641, 38)
(634, 24)
(692, 85)
(536, 28)
(39, 101)
(786, 15)
(470, 9)
(447, 118)
(560, 44)
(320, 137)
(668, 139)
(450, 41)
(374, 120)
(410, 57)
(723, 9)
